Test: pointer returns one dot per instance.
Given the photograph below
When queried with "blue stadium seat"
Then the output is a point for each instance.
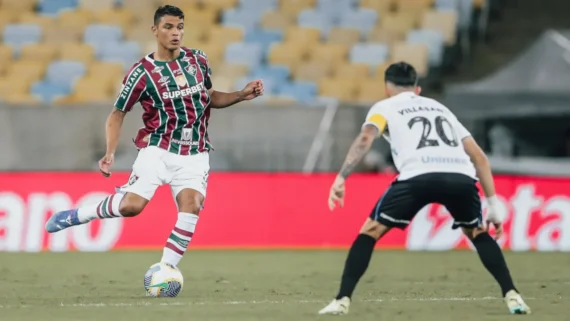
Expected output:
(372, 54)
(361, 19)
(303, 91)
(259, 5)
(53, 7)
(264, 37)
(335, 8)
(247, 20)
(463, 7)
(125, 52)
(310, 18)
(277, 73)
(47, 91)
(97, 34)
(433, 39)
(20, 34)
(240, 53)
(268, 85)
(64, 72)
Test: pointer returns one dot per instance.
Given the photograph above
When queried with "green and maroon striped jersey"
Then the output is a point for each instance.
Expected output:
(175, 99)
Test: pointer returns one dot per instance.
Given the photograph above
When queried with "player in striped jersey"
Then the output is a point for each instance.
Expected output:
(173, 85)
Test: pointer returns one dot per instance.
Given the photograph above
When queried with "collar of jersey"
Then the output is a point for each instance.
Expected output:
(156, 62)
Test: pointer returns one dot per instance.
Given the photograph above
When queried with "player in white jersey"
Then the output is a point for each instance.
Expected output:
(438, 162)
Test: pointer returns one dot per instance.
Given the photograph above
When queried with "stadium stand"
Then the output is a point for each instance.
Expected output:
(302, 49)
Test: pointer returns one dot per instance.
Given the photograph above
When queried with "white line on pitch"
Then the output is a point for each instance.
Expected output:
(254, 302)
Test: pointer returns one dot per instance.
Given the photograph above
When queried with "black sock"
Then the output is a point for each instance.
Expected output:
(356, 264)
(492, 257)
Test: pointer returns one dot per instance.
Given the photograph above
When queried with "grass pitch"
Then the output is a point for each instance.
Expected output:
(277, 286)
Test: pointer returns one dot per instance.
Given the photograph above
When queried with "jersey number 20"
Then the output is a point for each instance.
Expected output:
(425, 141)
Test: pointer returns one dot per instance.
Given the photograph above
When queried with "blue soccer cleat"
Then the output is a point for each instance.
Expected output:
(62, 220)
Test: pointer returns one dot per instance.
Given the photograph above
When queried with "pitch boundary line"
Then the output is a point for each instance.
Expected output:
(252, 302)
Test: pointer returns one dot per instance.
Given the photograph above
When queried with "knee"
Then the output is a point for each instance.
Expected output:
(472, 233)
(190, 204)
(373, 229)
(132, 206)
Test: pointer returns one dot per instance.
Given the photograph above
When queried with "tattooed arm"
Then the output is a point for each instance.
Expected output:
(358, 149)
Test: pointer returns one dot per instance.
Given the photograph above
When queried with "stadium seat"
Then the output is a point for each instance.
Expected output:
(126, 53)
(220, 4)
(278, 74)
(58, 36)
(332, 54)
(264, 37)
(7, 17)
(361, 19)
(371, 54)
(241, 18)
(98, 5)
(215, 53)
(414, 54)
(344, 36)
(18, 5)
(339, 88)
(386, 36)
(355, 72)
(335, 8)
(76, 52)
(445, 22)
(42, 52)
(142, 33)
(30, 70)
(292, 8)
(21, 99)
(311, 18)
(413, 7)
(380, 6)
(123, 18)
(201, 17)
(98, 34)
(434, 40)
(370, 91)
(269, 85)
(247, 54)
(221, 35)
(64, 73)
(6, 55)
(54, 7)
(92, 89)
(14, 85)
(20, 34)
(224, 84)
(287, 53)
(259, 5)
(229, 70)
(463, 8)
(307, 36)
(275, 20)
(378, 72)
(78, 19)
(398, 22)
(180, 3)
(142, 10)
(303, 91)
(312, 71)
(35, 19)
(47, 92)
(109, 71)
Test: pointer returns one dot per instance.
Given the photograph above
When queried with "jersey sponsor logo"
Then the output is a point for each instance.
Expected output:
(186, 138)
(443, 160)
(184, 92)
(128, 86)
(164, 81)
(157, 70)
(181, 81)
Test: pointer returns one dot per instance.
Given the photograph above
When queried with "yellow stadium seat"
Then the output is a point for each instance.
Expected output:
(21, 99)
(224, 35)
(312, 71)
(97, 5)
(180, 3)
(220, 4)
(33, 18)
(223, 84)
(414, 54)
(142, 10)
(379, 72)
(215, 52)
(302, 35)
(380, 6)
(344, 36)
(293, 7)
(14, 85)
(77, 19)
(141, 33)
(400, 22)
(444, 22)
(18, 5)
(355, 72)
(43, 52)
(339, 88)
(479, 3)
(229, 70)
(123, 18)
(77, 52)
(92, 89)
(110, 71)
(58, 36)
(330, 53)
(279, 101)
(31, 70)
(415, 8)
(289, 54)
(200, 17)
(386, 35)
(6, 56)
(370, 91)
(7, 17)
(277, 20)
(196, 35)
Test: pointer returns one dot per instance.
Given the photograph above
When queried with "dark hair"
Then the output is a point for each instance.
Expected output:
(401, 74)
(167, 10)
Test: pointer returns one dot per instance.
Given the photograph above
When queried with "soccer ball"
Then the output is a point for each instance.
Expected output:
(163, 280)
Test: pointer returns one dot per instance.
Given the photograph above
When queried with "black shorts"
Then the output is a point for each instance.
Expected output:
(404, 199)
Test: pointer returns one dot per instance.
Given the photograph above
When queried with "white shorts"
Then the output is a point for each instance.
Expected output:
(155, 166)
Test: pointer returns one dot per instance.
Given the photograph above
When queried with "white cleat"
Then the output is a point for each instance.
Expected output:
(337, 307)
(515, 303)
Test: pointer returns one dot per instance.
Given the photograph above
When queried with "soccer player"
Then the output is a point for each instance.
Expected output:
(174, 88)
(438, 162)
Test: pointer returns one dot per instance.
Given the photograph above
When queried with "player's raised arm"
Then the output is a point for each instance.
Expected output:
(222, 100)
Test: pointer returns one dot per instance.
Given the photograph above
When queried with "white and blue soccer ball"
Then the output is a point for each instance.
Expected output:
(163, 280)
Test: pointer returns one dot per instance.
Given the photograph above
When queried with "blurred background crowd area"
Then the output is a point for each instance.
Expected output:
(501, 65)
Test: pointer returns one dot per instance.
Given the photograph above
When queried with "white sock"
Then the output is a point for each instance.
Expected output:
(107, 208)
(179, 238)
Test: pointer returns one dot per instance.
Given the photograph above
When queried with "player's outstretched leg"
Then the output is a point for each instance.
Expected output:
(110, 207)
(494, 261)
(355, 266)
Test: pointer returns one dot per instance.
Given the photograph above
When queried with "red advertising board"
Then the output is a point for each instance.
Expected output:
(247, 210)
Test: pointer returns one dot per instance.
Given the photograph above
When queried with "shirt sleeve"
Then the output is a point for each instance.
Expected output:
(134, 85)
(203, 58)
(460, 130)
(376, 117)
